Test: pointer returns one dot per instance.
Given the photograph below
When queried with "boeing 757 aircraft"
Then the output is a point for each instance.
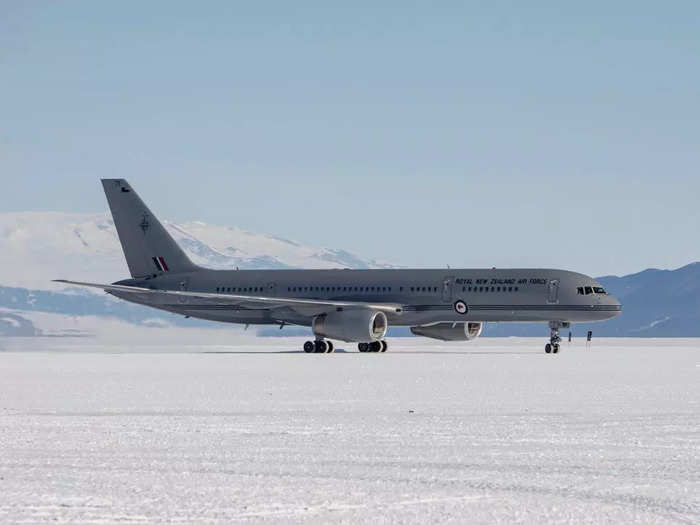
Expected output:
(349, 305)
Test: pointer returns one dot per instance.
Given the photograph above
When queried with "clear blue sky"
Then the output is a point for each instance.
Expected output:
(554, 134)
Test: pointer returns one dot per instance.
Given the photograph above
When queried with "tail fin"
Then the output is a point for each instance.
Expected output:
(148, 247)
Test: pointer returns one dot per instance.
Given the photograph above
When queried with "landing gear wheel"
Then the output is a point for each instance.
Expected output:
(331, 348)
(320, 347)
(554, 339)
(375, 346)
(309, 347)
(363, 347)
(385, 345)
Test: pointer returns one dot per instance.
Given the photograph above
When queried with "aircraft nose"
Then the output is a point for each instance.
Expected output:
(614, 304)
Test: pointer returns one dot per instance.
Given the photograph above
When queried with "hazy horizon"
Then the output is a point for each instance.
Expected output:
(469, 135)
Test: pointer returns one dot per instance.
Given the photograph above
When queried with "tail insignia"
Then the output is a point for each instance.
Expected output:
(160, 263)
(144, 224)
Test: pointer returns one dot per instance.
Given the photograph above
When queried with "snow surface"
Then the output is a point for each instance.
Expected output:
(491, 431)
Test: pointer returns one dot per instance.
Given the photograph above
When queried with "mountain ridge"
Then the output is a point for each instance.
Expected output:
(36, 247)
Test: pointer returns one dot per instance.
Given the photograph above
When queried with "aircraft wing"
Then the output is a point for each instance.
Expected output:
(186, 298)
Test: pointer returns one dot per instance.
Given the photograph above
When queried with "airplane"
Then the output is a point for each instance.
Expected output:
(354, 306)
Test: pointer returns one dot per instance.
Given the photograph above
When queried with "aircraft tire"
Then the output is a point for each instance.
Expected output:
(375, 346)
(309, 347)
(385, 345)
(331, 347)
(320, 347)
(555, 348)
(363, 347)
(548, 348)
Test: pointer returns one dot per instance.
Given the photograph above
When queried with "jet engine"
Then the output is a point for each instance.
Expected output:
(357, 325)
(449, 331)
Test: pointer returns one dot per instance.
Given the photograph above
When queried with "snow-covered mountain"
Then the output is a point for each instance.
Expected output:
(36, 247)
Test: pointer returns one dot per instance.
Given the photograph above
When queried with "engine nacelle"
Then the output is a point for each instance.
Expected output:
(356, 325)
(450, 331)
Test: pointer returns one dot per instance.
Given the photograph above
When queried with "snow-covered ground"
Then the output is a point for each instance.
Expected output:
(492, 431)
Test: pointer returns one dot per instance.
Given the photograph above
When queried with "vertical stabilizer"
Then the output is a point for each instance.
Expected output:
(148, 247)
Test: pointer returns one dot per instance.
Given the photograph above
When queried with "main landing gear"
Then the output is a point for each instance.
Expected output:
(374, 346)
(553, 346)
(322, 346)
(319, 346)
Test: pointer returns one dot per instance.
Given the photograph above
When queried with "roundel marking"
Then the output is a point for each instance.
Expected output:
(461, 307)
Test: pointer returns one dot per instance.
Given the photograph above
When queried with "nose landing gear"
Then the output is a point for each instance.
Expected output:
(553, 346)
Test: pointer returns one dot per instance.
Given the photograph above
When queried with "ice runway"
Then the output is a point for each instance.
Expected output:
(492, 431)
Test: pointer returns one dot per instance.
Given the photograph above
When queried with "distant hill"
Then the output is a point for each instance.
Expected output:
(37, 247)
(655, 303)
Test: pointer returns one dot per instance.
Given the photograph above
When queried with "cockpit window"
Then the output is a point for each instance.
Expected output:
(579, 290)
(589, 290)
(598, 289)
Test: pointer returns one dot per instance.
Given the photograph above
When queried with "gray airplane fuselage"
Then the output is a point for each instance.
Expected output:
(427, 296)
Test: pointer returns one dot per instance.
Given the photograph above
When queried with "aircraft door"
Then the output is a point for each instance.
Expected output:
(553, 291)
(447, 284)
